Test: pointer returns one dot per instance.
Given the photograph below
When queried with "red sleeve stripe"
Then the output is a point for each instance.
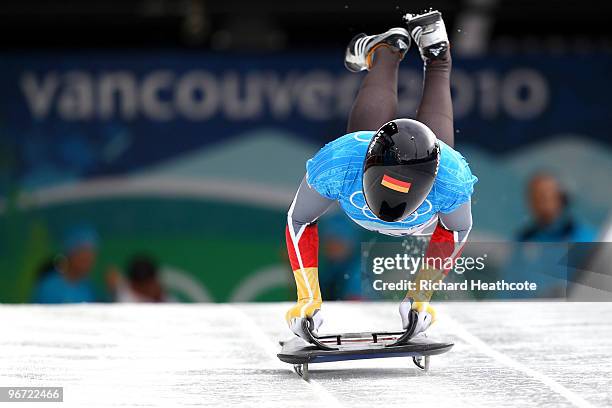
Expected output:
(443, 245)
(308, 247)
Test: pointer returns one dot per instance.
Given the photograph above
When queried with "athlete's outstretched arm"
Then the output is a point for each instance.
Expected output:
(303, 246)
(460, 222)
(436, 107)
(446, 243)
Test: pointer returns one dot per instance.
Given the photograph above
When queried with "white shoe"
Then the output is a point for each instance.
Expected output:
(429, 33)
(358, 56)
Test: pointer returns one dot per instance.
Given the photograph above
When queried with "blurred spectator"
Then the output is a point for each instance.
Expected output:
(340, 277)
(67, 280)
(552, 217)
(554, 226)
(142, 285)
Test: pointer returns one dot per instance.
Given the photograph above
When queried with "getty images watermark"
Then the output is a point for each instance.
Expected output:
(484, 270)
(408, 265)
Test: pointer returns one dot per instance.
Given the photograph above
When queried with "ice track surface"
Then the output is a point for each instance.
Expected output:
(505, 354)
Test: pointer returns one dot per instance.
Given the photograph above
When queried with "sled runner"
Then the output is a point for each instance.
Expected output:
(358, 346)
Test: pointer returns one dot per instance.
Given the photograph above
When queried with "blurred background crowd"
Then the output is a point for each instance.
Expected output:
(149, 149)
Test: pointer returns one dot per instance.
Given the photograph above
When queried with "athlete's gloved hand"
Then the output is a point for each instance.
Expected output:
(304, 310)
(425, 315)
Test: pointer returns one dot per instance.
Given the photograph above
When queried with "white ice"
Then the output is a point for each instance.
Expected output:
(505, 354)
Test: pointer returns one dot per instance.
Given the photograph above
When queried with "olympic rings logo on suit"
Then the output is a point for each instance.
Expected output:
(356, 136)
(369, 214)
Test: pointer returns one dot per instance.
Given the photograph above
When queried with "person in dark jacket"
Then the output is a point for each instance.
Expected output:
(553, 220)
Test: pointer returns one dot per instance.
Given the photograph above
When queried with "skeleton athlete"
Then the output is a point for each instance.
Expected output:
(394, 176)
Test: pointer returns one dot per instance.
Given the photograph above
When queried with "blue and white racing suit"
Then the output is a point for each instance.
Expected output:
(336, 173)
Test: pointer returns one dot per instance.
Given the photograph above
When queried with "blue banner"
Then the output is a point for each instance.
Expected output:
(98, 113)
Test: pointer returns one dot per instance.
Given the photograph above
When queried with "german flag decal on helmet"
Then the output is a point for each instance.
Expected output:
(395, 184)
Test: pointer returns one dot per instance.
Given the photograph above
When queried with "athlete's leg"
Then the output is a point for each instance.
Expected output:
(436, 107)
(376, 102)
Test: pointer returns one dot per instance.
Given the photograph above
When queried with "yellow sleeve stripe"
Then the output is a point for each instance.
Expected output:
(312, 276)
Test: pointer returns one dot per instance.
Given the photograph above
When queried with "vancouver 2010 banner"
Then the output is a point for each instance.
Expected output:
(195, 157)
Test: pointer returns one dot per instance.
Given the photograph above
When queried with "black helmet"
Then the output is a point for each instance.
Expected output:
(400, 168)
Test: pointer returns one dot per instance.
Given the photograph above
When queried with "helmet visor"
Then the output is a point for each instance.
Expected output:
(395, 192)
